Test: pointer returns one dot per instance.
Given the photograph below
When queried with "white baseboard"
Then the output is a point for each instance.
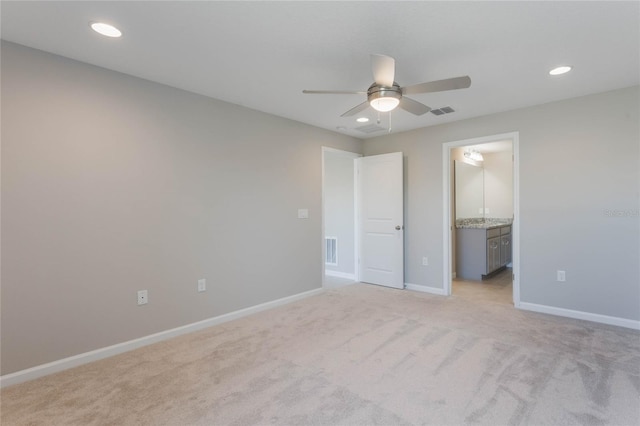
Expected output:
(98, 354)
(425, 289)
(454, 275)
(587, 316)
(338, 274)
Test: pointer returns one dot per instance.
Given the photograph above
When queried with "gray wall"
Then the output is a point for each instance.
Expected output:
(579, 187)
(112, 184)
(339, 208)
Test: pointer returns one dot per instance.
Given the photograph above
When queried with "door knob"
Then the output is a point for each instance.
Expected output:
(398, 227)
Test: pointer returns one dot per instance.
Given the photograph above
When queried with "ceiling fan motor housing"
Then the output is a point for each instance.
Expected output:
(377, 91)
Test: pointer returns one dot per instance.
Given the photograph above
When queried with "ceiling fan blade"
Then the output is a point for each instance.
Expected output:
(333, 92)
(356, 109)
(414, 107)
(384, 69)
(438, 86)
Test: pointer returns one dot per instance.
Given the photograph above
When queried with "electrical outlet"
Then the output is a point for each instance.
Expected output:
(425, 261)
(143, 297)
(562, 277)
(202, 285)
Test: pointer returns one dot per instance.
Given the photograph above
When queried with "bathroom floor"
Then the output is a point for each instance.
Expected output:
(497, 289)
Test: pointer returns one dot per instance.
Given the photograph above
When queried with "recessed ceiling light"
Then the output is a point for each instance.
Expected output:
(560, 70)
(105, 29)
(362, 119)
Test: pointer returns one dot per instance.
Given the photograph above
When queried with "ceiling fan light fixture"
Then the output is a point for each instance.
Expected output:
(384, 104)
(383, 98)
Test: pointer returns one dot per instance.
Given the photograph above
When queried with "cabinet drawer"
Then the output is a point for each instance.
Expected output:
(495, 232)
(505, 230)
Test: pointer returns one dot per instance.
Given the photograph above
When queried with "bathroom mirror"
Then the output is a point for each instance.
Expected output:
(469, 187)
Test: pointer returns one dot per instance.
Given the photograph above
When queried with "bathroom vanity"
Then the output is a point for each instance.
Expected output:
(483, 247)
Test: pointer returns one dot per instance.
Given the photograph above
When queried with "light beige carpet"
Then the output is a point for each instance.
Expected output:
(357, 355)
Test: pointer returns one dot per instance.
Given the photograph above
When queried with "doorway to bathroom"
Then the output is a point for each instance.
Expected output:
(480, 219)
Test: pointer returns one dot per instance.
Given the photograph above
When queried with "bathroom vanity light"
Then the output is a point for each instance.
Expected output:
(474, 155)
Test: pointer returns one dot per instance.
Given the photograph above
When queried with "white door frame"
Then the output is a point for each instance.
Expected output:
(352, 155)
(446, 196)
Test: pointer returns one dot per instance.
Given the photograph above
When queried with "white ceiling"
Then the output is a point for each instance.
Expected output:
(263, 54)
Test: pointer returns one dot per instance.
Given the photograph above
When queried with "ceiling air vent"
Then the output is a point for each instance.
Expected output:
(370, 128)
(443, 110)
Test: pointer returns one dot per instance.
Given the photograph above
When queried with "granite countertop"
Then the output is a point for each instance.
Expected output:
(482, 223)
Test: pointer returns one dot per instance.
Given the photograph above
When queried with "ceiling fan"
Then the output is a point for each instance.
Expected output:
(385, 94)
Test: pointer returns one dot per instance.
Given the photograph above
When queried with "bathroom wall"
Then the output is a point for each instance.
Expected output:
(498, 184)
(469, 190)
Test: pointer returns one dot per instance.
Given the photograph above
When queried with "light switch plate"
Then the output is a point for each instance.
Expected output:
(202, 285)
(303, 213)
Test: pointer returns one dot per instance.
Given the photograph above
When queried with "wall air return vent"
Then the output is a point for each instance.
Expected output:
(331, 251)
(442, 111)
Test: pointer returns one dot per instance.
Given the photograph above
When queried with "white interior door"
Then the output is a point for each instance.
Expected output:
(380, 227)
